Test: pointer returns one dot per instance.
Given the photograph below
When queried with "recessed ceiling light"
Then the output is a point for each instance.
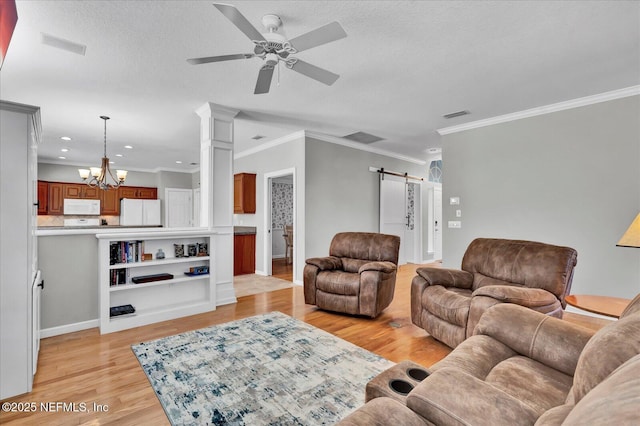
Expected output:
(65, 150)
(119, 155)
(65, 138)
(178, 162)
(433, 150)
(112, 162)
(62, 158)
(128, 146)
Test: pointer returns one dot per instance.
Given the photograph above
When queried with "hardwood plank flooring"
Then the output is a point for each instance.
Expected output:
(86, 367)
(281, 269)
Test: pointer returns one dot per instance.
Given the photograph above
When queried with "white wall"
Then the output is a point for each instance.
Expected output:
(62, 173)
(568, 178)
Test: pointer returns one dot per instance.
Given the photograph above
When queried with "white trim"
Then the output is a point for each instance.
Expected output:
(69, 328)
(267, 241)
(326, 138)
(270, 144)
(298, 282)
(560, 106)
(263, 273)
(574, 310)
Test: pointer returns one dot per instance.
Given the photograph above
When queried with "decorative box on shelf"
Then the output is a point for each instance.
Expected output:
(159, 289)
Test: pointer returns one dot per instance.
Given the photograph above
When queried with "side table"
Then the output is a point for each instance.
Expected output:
(603, 305)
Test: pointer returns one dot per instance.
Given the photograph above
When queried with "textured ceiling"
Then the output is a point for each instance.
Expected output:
(402, 66)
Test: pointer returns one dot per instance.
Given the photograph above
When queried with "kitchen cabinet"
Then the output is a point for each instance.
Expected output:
(244, 254)
(56, 198)
(110, 202)
(43, 197)
(244, 193)
(138, 192)
(80, 191)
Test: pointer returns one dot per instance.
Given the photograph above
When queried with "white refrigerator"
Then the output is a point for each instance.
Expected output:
(135, 212)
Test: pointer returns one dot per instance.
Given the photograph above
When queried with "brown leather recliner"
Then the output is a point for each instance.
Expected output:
(448, 303)
(358, 277)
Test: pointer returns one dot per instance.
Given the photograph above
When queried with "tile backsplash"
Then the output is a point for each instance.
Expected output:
(46, 220)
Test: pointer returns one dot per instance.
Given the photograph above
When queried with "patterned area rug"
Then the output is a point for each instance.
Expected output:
(268, 369)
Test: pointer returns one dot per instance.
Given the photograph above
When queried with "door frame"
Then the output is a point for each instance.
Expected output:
(268, 240)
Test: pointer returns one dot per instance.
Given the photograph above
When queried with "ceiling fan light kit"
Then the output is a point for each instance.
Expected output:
(273, 48)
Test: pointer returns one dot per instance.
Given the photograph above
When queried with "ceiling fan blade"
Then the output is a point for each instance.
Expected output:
(264, 80)
(317, 73)
(198, 61)
(326, 34)
(239, 21)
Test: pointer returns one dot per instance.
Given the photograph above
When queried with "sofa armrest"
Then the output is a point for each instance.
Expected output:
(325, 263)
(523, 296)
(551, 341)
(452, 397)
(386, 267)
(446, 277)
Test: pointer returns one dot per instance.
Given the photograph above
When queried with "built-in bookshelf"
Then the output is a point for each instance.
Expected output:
(161, 275)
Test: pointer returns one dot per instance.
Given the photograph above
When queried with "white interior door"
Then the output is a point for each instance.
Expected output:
(178, 205)
(196, 207)
(393, 218)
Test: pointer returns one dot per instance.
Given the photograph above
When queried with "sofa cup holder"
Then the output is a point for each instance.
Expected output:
(400, 386)
(417, 374)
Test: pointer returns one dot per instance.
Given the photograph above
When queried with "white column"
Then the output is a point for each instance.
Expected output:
(216, 191)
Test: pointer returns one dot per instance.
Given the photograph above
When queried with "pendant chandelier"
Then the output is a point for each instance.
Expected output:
(100, 175)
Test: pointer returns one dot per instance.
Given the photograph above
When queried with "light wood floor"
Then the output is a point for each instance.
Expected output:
(86, 367)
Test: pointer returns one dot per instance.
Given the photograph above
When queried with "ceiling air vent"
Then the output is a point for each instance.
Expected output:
(63, 44)
(363, 137)
(456, 114)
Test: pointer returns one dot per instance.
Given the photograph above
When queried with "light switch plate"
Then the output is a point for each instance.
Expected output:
(455, 224)
(454, 201)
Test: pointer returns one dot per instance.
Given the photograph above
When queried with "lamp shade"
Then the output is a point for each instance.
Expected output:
(631, 237)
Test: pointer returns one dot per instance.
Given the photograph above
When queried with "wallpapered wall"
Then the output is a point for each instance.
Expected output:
(411, 200)
(281, 205)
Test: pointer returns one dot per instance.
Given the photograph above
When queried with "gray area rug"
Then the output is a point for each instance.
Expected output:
(268, 369)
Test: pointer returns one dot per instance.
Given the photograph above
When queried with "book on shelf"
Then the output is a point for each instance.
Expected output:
(125, 252)
(118, 276)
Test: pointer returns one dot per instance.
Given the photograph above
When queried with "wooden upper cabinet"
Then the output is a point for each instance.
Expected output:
(138, 192)
(43, 197)
(80, 191)
(56, 198)
(244, 193)
(110, 202)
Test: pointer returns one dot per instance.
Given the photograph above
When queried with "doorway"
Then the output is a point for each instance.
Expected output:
(280, 224)
(401, 214)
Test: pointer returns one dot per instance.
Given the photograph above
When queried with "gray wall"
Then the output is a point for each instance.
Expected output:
(343, 195)
(69, 265)
(61, 173)
(568, 178)
(284, 156)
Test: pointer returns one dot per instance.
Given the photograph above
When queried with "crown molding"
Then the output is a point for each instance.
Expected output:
(547, 109)
(363, 147)
(326, 138)
(268, 145)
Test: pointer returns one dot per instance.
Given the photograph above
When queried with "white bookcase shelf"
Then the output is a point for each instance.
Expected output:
(154, 301)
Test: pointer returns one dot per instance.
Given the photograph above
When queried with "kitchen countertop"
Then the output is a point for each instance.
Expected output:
(244, 230)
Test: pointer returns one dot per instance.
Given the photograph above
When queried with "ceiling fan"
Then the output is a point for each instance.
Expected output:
(274, 48)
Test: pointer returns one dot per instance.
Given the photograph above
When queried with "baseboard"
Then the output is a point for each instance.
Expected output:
(298, 282)
(226, 294)
(68, 328)
(575, 310)
(263, 273)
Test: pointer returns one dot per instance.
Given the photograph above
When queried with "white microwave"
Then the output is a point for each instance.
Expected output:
(81, 207)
